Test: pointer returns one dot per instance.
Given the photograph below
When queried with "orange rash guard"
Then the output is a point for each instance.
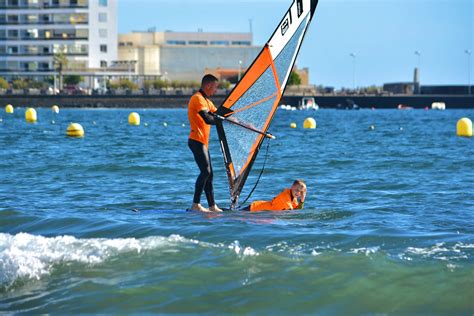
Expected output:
(281, 202)
(199, 129)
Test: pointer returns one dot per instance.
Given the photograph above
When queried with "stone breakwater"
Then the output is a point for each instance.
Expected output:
(181, 101)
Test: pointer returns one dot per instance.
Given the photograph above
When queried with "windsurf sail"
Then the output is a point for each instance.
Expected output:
(248, 110)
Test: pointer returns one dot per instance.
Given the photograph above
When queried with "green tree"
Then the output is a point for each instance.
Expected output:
(127, 84)
(72, 80)
(3, 83)
(224, 84)
(147, 84)
(191, 84)
(160, 84)
(37, 84)
(175, 84)
(20, 84)
(294, 79)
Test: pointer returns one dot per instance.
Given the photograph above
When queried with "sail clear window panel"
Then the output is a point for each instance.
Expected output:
(239, 139)
(264, 87)
(283, 60)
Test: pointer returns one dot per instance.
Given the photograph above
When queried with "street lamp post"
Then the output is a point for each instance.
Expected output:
(353, 70)
(418, 87)
(417, 53)
(468, 52)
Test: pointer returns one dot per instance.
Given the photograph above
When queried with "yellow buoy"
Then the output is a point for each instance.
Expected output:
(134, 118)
(9, 109)
(55, 109)
(75, 130)
(309, 123)
(464, 127)
(30, 115)
(293, 125)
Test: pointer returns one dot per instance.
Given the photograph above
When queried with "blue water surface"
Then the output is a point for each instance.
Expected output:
(387, 226)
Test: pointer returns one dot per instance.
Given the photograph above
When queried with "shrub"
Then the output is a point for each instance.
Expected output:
(294, 79)
(20, 84)
(72, 80)
(3, 84)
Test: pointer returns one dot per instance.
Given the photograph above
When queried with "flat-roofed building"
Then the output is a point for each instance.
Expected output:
(33, 31)
(186, 55)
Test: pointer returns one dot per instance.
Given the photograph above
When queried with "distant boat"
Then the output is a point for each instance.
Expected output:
(308, 103)
(404, 107)
(438, 106)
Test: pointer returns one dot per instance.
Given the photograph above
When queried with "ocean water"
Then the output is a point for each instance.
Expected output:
(387, 227)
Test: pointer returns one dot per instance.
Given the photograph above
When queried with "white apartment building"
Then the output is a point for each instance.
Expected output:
(33, 31)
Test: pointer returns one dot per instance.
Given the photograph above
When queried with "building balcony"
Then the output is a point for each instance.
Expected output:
(41, 7)
(41, 55)
(26, 70)
(42, 23)
(53, 38)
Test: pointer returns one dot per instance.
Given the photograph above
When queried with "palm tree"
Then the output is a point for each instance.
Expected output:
(60, 62)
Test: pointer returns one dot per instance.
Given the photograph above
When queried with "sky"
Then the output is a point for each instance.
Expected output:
(382, 34)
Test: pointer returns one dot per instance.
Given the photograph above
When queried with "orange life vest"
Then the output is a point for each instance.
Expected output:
(281, 202)
(200, 131)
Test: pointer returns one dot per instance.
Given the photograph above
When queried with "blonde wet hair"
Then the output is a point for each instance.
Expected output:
(299, 182)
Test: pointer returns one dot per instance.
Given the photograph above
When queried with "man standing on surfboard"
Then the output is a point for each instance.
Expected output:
(200, 109)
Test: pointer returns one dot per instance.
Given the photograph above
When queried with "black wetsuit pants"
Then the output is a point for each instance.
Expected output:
(204, 180)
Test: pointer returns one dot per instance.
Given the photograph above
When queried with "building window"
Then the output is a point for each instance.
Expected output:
(13, 18)
(103, 33)
(103, 64)
(103, 48)
(44, 66)
(197, 42)
(12, 49)
(102, 3)
(176, 42)
(219, 42)
(12, 65)
(12, 33)
(102, 17)
(241, 43)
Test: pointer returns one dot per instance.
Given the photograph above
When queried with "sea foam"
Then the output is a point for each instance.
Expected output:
(27, 256)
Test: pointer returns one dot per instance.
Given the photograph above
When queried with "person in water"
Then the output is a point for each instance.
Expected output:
(200, 117)
(289, 199)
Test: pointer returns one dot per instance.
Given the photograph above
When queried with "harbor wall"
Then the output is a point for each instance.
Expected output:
(181, 101)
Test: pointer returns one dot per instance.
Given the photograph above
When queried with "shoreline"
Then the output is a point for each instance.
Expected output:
(181, 101)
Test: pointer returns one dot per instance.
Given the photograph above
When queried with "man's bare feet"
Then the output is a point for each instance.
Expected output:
(198, 207)
(215, 208)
